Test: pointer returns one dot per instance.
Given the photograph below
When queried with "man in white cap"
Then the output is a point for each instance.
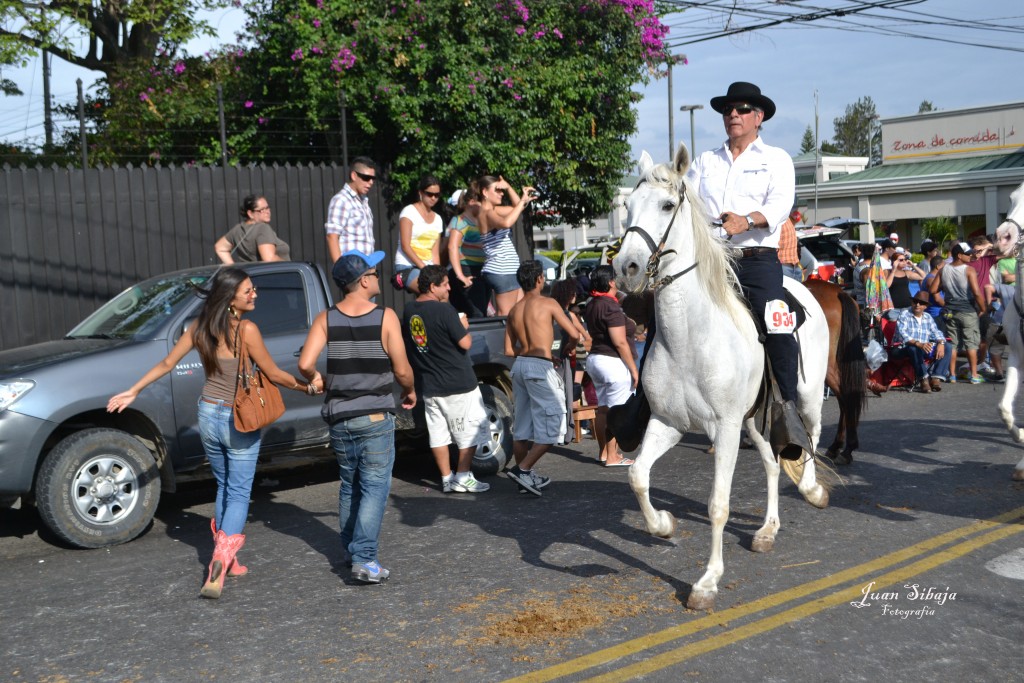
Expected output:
(894, 237)
(964, 301)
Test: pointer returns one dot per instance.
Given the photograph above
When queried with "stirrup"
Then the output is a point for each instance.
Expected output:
(788, 436)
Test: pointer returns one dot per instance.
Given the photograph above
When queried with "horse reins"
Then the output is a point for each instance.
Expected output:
(658, 251)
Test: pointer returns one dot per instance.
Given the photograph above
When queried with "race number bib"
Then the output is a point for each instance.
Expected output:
(778, 319)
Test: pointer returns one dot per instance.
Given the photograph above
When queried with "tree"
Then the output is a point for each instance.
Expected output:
(940, 230)
(541, 94)
(807, 143)
(856, 133)
(118, 31)
(925, 106)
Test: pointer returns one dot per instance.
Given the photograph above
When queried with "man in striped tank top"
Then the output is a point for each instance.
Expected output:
(365, 357)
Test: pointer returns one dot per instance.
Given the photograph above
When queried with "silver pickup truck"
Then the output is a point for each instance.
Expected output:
(96, 477)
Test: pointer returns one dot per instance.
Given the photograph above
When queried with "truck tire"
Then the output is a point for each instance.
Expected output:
(97, 488)
(491, 458)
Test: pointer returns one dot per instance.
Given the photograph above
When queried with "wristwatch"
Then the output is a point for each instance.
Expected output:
(750, 222)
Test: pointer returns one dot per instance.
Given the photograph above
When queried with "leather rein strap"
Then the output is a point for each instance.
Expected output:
(658, 250)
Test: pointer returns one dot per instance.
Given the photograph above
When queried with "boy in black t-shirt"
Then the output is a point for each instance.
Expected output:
(437, 342)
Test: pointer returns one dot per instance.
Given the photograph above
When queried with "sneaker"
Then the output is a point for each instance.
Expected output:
(952, 379)
(371, 572)
(977, 379)
(984, 367)
(527, 480)
(469, 485)
(446, 485)
(542, 481)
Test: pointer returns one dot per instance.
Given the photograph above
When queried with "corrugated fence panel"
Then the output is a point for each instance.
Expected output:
(74, 238)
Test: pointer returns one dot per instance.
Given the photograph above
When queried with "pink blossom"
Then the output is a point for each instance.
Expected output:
(520, 30)
(297, 55)
(316, 22)
(558, 34)
(179, 68)
(248, 104)
(143, 97)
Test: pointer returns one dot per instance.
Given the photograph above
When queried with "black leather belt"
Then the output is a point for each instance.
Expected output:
(747, 252)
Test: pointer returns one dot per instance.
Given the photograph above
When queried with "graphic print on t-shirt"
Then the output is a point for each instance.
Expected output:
(418, 330)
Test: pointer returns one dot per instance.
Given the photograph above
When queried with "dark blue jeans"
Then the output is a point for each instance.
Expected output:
(366, 455)
(916, 356)
(760, 278)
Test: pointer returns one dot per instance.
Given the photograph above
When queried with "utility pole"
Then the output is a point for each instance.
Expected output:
(670, 60)
(693, 143)
(47, 103)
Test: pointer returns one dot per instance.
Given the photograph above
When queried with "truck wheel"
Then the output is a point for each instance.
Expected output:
(492, 457)
(97, 488)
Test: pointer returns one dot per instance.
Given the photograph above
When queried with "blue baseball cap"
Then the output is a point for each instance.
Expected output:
(353, 264)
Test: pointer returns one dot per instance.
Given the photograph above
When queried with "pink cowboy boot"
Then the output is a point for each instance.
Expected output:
(236, 568)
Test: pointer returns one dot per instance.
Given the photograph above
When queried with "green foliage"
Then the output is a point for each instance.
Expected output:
(114, 32)
(807, 142)
(925, 106)
(539, 92)
(940, 229)
(856, 133)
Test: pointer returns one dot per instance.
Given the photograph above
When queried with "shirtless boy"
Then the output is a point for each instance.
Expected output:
(537, 389)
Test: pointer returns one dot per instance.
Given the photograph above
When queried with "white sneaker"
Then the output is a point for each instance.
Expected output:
(984, 367)
(469, 485)
(446, 485)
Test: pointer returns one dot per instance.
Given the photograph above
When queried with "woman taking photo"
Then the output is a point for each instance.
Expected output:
(419, 228)
(217, 334)
(496, 222)
(253, 239)
(898, 279)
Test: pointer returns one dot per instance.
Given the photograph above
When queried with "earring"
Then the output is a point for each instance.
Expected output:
(232, 312)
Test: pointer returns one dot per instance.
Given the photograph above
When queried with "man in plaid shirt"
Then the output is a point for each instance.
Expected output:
(916, 337)
(349, 219)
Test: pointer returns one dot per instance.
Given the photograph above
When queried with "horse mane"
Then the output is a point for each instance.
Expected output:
(714, 258)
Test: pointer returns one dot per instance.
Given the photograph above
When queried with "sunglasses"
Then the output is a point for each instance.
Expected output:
(738, 108)
(432, 195)
(366, 176)
(374, 273)
(261, 209)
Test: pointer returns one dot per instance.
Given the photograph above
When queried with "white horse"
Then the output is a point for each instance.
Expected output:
(1011, 241)
(705, 367)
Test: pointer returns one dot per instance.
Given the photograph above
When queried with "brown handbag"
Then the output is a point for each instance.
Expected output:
(257, 401)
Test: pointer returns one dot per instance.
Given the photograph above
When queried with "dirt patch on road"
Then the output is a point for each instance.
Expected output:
(555, 617)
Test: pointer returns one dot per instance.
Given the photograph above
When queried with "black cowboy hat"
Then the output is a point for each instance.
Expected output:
(748, 93)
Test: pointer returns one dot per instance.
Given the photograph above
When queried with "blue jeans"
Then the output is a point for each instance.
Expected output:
(793, 271)
(232, 455)
(366, 454)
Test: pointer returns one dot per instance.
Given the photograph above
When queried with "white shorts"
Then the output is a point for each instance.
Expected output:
(539, 401)
(461, 418)
(611, 379)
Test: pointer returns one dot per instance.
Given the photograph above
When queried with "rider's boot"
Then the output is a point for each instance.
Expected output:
(788, 436)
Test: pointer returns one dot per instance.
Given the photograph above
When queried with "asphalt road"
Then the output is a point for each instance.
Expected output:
(568, 586)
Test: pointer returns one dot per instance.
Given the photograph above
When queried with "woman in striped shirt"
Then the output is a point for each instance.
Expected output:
(496, 221)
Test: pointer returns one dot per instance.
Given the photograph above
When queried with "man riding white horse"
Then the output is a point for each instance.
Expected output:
(749, 187)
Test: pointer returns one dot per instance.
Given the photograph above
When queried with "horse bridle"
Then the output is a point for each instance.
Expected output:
(658, 250)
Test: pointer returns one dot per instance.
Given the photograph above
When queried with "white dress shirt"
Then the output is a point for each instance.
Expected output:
(760, 179)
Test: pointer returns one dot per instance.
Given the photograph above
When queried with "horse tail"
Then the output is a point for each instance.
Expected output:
(851, 362)
(824, 473)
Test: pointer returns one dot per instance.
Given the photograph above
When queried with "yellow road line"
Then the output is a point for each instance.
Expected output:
(803, 611)
(725, 616)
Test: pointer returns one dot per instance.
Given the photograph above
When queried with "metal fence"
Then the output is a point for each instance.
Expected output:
(72, 238)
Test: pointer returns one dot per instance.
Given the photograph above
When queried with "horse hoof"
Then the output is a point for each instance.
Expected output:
(666, 525)
(762, 544)
(839, 458)
(704, 600)
(818, 497)
(1018, 475)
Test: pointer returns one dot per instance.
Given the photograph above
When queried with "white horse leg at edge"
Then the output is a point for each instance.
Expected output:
(1010, 239)
(705, 367)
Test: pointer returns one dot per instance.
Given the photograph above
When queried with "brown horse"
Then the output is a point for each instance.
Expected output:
(847, 376)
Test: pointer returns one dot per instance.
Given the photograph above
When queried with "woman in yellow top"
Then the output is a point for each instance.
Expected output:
(419, 228)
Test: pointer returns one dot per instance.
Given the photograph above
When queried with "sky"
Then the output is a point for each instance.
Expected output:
(790, 63)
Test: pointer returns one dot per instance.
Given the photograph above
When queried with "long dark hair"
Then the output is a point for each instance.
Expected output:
(563, 291)
(249, 204)
(215, 321)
